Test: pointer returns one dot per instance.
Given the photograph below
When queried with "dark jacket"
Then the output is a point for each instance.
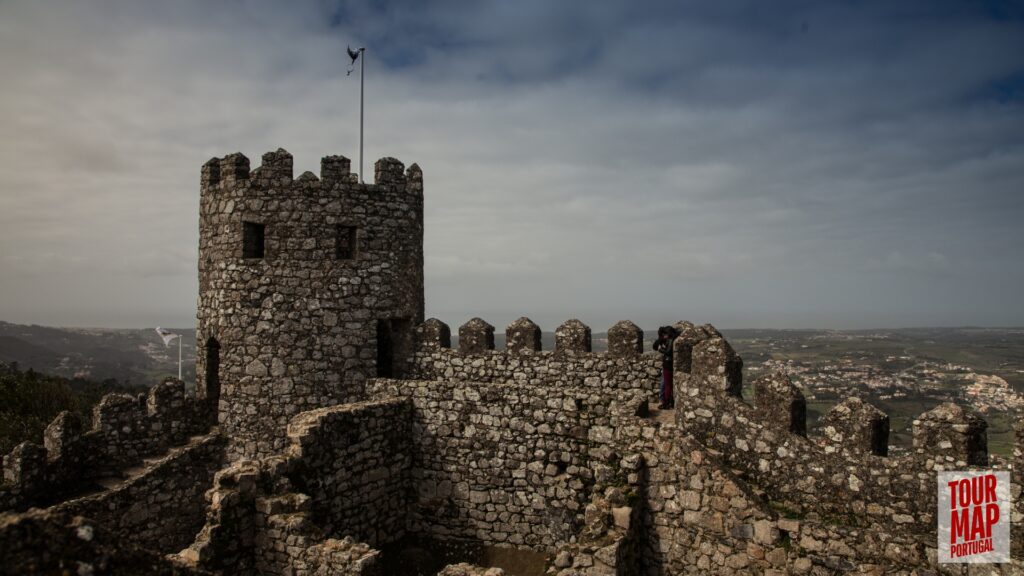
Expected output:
(664, 345)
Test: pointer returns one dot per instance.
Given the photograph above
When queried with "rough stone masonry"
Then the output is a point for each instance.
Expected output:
(331, 423)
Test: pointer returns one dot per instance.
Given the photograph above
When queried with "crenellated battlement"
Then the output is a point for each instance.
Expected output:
(948, 434)
(845, 470)
(276, 172)
(856, 426)
(839, 470)
(476, 336)
(124, 429)
(625, 366)
(262, 216)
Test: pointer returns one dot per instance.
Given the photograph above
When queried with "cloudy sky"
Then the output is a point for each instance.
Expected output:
(750, 164)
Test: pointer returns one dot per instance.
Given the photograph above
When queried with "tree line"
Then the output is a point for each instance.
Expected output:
(29, 401)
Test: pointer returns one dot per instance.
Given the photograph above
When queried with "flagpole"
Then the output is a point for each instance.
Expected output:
(362, 77)
(180, 338)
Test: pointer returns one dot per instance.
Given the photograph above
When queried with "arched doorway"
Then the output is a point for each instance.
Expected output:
(212, 376)
(394, 340)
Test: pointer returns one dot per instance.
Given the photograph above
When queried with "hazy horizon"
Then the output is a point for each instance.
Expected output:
(792, 165)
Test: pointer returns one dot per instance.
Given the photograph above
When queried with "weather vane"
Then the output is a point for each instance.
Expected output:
(354, 55)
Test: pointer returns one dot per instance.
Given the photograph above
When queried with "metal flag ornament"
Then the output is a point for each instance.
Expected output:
(355, 55)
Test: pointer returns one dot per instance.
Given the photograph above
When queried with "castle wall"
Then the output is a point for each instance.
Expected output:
(696, 516)
(288, 542)
(296, 329)
(571, 365)
(354, 462)
(696, 519)
(610, 539)
(700, 518)
(162, 509)
(124, 430)
(733, 488)
(578, 473)
(343, 482)
(508, 465)
(45, 542)
(596, 370)
(840, 475)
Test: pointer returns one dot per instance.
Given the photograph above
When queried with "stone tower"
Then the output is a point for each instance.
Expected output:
(307, 287)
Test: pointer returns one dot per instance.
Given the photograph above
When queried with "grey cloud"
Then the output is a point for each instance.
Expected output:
(726, 164)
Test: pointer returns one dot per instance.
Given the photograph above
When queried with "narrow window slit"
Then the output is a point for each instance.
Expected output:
(253, 239)
(345, 242)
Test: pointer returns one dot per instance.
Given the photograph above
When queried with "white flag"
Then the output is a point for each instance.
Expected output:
(167, 335)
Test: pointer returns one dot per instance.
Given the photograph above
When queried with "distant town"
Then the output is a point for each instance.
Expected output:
(902, 372)
(984, 392)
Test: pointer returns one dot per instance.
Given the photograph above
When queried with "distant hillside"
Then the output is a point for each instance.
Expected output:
(131, 357)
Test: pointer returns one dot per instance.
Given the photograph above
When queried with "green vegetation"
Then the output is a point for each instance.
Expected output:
(29, 401)
(1000, 433)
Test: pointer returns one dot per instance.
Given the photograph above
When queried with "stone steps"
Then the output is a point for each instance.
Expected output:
(130, 473)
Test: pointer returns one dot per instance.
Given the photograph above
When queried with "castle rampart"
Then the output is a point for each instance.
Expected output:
(571, 364)
(359, 449)
(124, 430)
(475, 474)
(844, 473)
(46, 542)
(345, 475)
(519, 465)
(162, 507)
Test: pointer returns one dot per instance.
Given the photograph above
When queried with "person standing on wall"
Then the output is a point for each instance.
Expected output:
(666, 337)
